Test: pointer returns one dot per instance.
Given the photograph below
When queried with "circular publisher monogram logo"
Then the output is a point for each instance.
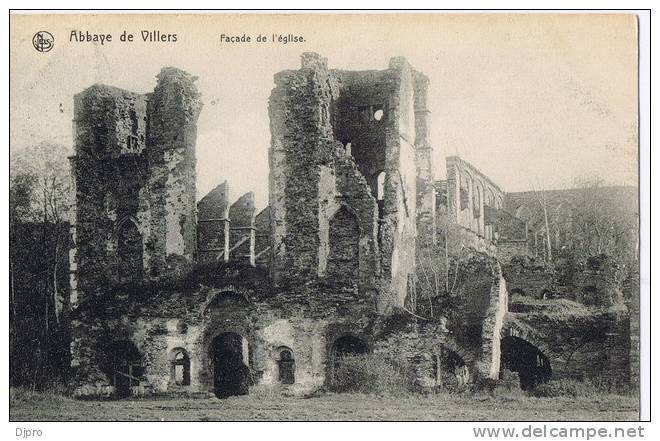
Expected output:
(43, 41)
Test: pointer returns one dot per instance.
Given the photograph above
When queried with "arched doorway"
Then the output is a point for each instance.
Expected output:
(125, 367)
(344, 348)
(452, 372)
(348, 345)
(520, 356)
(231, 372)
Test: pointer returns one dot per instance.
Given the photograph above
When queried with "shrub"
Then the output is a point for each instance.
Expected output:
(563, 388)
(19, 395)
(370, 373)
(574, 388)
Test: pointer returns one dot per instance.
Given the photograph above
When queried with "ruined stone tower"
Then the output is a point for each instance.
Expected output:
(343, 182)
(134, 174)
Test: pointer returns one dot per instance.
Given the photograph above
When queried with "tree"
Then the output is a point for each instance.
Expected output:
(605, 221)
(39, 206)
(438, 261)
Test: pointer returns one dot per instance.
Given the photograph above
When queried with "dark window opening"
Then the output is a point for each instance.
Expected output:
(181, 368)
(371, 113)
(465, 198)
(129, 252)
(132, 139)
(286, 366)
(134, 122)
(348, 345)
(344, 249)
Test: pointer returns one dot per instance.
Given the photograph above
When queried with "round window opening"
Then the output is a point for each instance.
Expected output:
(378, 114)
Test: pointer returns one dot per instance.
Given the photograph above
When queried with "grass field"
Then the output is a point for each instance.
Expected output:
(32, 406)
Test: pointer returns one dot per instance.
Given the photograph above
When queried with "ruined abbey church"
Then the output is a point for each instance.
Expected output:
(173, 296)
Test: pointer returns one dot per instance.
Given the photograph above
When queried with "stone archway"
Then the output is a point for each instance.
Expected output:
(452, 370)
(124, 367)
(521, 356)
(346, 346)
(349, 345)
(231, 371)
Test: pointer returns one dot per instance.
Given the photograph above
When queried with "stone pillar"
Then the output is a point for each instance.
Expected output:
(470, 208)
(424, 158)
(481, 220)
(456, 173)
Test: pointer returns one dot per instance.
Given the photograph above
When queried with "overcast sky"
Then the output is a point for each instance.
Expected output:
(526, 98)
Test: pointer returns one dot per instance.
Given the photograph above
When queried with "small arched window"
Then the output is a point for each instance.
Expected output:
(286, 366)
(380, 186)
(129, 252)
(348, 149)
(180, 368)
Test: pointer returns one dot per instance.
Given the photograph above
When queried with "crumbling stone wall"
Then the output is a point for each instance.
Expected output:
(134, 164)
(482, 306)
(242, 230)
(213, 225)
(575, 314)
(160, 322)
(352, 203)
(315, 114)
(302, 141)
(599, 282)
(173, 109)
(579, 343)
(595, 282)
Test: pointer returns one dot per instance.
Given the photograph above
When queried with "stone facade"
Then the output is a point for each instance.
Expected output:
(134, 173)
(169, 296)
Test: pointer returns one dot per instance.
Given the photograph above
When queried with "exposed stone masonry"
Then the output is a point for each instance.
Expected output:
(177, 297)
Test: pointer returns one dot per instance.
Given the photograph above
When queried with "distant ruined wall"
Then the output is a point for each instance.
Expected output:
(473, 199)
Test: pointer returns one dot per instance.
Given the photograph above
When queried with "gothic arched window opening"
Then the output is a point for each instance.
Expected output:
(129, 252)
(286, 366)
(180, 368)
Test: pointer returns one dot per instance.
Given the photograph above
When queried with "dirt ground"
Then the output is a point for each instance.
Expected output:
(31, 406)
